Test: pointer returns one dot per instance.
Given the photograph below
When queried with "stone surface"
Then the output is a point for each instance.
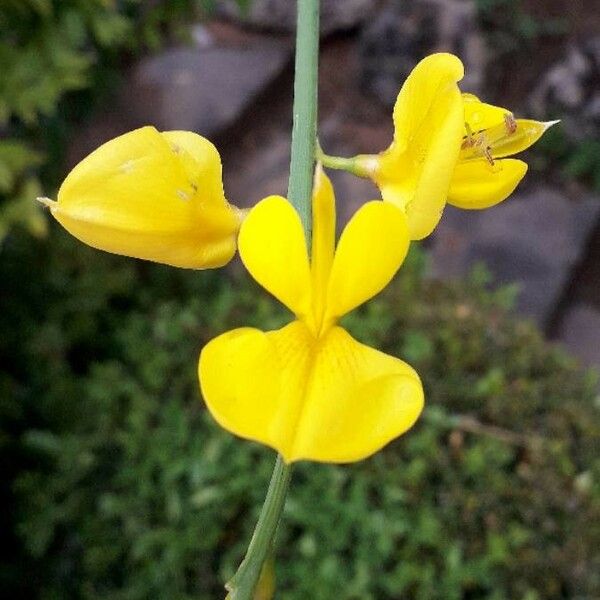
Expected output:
(534, 239)
(280, 15)
(204, 87)
(404, 32)
(571, 90)
(580, 333)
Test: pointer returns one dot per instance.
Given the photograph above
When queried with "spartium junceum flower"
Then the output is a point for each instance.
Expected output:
(309, 390)
(484, 175)
(447, 147)
(151, 195)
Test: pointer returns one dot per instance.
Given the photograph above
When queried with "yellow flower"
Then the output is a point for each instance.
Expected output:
(484, 176)
(447, 147)
(309, 390)
(151, 195)
(414, 173)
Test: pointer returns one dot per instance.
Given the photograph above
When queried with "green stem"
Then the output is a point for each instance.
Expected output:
(357, 165)
(337, 162)
(242, 585)
(304, 133)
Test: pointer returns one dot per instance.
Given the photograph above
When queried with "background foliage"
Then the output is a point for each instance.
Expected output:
(131, 491)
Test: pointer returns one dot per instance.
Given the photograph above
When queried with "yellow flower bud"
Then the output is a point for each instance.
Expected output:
(151, 195)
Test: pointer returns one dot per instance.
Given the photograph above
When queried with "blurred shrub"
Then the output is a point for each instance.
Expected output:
(571, 158)
(509, 26)
(129, 490)
(49, 49)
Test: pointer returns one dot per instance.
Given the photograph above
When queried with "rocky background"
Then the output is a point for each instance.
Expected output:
(233, 84)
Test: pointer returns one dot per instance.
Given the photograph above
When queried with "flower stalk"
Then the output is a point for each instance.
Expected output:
(243, 584)
(351, 165)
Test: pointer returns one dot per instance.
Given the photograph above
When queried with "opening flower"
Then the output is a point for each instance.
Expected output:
(309, 390)
(447, 147)
(484, 176)
(414, 173)
(151, 195)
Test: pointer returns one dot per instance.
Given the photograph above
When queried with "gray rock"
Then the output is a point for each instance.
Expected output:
(202, 89)
(280, 15)
(261, 172)
(580, 333)
(571, 90)
(405, 32)
(534, 239)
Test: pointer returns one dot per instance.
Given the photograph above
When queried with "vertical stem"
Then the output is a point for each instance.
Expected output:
(304, 134)
(242, 585)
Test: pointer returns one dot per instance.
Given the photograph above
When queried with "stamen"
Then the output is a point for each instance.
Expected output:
(468, 139)
(478, 143)
(483, 143)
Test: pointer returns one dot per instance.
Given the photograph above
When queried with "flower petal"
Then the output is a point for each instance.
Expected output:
(423, 90)
(253, 382)
(358, 400)
(370, 251)
(273, 248)
(476, 184)
(329, 400)
(480, 115)
(136, 196)
(526, 133)
(200, 160)
(415, 171)
(495, 127)
(323, 241)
